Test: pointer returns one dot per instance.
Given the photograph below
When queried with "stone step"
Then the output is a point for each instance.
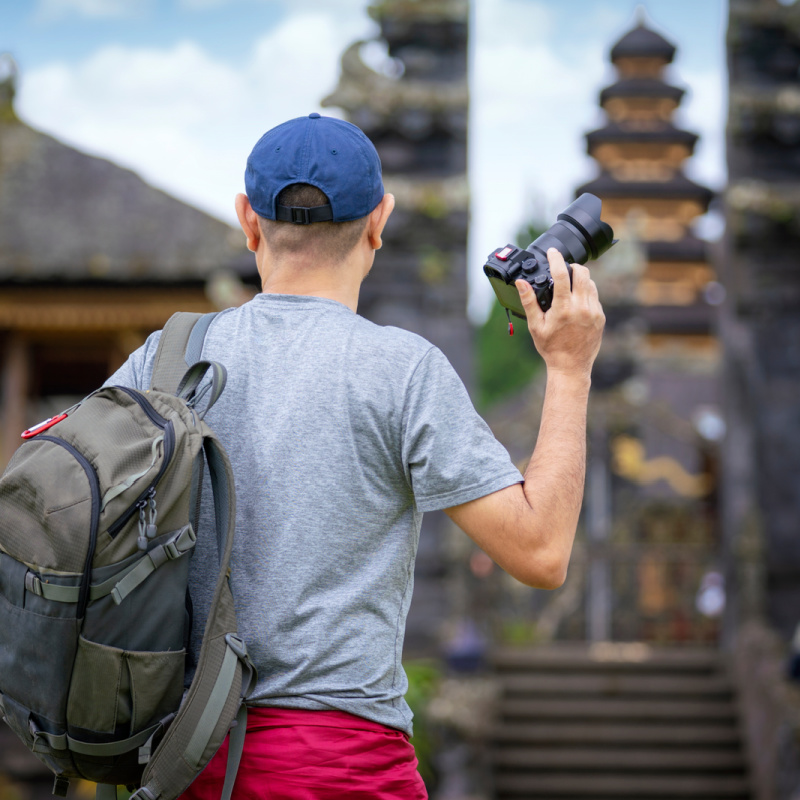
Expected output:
(613, 733)
(517, 684)
(642, 787)
(618, 709)
(629, 759)
(607, 657)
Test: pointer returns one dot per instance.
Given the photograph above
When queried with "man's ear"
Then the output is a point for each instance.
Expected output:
(248, 219)
(377, 221)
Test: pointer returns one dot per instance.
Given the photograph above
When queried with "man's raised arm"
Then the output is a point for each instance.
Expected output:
(528, 528)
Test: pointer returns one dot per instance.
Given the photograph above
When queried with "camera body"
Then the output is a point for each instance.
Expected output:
(578, 234)
(508, 264)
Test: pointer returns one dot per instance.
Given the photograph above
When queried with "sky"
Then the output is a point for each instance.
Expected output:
(180, 90)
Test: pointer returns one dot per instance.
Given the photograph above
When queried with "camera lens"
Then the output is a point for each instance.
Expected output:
(579, 234)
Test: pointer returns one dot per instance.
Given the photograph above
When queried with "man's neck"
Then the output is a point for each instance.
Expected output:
(337, 284)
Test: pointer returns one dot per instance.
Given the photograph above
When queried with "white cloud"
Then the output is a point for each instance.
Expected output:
(704, 112)
(184, 120)
(533, 98)
(48, 10)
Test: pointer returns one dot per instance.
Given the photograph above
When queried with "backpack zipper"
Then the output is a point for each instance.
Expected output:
(145, 405)
(169, 446)
(94, 485)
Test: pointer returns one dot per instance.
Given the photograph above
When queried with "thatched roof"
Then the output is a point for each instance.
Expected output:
(67, 216)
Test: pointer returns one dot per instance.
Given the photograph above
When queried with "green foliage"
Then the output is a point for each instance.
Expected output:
(520, 632)
(528, 232)
(423, 680)
(505, 364)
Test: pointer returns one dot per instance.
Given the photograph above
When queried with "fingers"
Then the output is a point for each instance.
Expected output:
(560, 276)
(584, 290)
(528, 298)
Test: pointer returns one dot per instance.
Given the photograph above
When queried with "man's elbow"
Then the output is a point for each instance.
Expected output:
(545, 572)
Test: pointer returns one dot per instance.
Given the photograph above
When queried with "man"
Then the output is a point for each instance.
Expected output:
(341, 434)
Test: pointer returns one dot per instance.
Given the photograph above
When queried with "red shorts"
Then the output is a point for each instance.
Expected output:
(291, 754)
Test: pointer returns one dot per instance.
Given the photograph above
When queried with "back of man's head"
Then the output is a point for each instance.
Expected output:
(313, 181)
(327, 241)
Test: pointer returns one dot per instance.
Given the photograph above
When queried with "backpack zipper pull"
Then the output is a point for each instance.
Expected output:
(142, 540)
(151, 531)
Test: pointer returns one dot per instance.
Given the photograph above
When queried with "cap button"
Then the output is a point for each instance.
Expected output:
(314, 115)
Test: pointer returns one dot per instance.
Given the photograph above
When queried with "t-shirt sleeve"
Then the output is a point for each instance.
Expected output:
(450, 454)
(136, 371)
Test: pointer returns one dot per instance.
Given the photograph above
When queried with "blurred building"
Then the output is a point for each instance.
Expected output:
(762, 277)
(413, 104)
(92, 259)
(760, 328)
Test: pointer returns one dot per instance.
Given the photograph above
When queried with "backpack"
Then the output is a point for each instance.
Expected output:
(98, 518)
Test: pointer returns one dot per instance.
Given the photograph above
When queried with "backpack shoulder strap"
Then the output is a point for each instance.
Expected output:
(224, 678)
(180, 346)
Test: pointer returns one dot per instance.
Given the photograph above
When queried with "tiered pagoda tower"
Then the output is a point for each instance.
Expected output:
(647, 198)
(655, 418)
(645, 192)
(414, 108)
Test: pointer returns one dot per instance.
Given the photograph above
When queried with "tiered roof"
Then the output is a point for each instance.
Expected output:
(640, 150)
(642, 42)
(641, 87)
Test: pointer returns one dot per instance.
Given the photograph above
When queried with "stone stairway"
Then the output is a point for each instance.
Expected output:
(616, 721)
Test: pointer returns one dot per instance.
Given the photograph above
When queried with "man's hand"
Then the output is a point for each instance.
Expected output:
(528, 529)
(568, 336)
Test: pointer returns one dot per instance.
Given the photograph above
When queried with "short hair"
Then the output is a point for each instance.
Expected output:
(331, 241)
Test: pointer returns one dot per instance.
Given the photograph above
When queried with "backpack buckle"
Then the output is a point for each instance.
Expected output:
(237, 645)
(33, 584)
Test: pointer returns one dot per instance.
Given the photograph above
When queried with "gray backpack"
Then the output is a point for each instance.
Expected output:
(98, 517)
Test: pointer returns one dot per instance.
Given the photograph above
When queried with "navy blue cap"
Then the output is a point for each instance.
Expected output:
(331, 154)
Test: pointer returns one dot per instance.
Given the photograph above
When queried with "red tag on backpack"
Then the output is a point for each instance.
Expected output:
(43, 426)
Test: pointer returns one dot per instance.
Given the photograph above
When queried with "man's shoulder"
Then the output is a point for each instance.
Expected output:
(395, 337)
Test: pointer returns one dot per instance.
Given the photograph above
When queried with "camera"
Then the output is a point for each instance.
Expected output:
(578, 234)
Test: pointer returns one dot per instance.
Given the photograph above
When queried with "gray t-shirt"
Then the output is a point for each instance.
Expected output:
(341, 434)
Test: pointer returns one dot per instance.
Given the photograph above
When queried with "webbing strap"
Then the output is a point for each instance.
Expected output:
(180, 544)
(2, 706)
(235, 748)
(213, 710)
(52, 591)
(105, 791)
(181, 340)
(187, 388)
(169, 365)
(100, 749)
(111, 748)
(224, 501)
(70, 594)
(194, 347)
